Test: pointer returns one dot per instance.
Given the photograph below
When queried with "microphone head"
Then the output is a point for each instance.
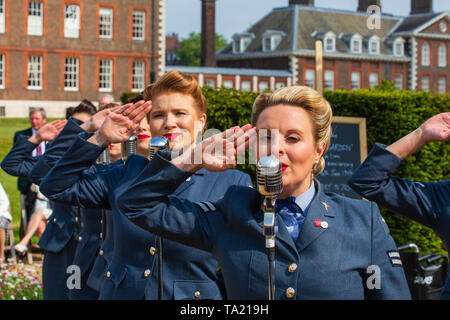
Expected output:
(268, 176)
(129, 147)
(156, 144)
(103, 158)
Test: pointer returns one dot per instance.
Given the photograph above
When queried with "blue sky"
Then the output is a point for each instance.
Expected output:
(233, 16)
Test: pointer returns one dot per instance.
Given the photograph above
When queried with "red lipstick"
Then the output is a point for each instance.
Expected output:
(143, 136)
(284, 166)
(172, 136)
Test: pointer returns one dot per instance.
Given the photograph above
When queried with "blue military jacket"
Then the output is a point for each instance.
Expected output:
(132, 273)
(425, 202)
(348, 257)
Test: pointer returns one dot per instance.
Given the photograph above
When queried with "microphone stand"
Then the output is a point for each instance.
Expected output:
(269, 181)
(268, 207)
(156, 144)
(104, 160)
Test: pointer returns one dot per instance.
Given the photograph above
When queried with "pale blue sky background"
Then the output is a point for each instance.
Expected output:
(234, 16)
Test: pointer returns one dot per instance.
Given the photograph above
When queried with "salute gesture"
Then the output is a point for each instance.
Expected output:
(48, 131)
(437, 128)
(219, 152)
(120, 123)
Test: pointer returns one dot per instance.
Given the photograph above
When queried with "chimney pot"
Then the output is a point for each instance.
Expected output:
(421, 6)
(301, 2)
(364, 4)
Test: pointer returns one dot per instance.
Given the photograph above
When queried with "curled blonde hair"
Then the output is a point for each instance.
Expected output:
(312, 102)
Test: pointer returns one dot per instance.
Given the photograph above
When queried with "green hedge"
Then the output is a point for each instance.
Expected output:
(389, 115)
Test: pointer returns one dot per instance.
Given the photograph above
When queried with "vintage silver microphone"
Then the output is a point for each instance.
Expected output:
(156, 144)
(103, 158)
(269, 184)
(129, 147)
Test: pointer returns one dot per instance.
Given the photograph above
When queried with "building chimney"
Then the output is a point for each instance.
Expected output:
(208, 55)
(421, 6)
(302, 2)
(364, 4)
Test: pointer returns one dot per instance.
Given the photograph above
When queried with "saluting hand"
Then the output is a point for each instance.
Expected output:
(48, 132)
(95, 122)
(219, 152)
(437, 128)
(121, 123)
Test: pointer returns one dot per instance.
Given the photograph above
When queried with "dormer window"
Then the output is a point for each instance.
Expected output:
(328, 39)
(271, 39)
(353, 42)
(329, 42)
(356, 44)
(398, 47)
(241, 42)
(374, 45)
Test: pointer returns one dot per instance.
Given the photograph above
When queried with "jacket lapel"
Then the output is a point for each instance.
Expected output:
(320, 210)
(188, 183)
(283, 240)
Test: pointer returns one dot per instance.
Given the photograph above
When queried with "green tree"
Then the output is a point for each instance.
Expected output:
(189, 51)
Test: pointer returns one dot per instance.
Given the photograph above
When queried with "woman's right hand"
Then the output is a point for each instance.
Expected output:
(120, 124)
(219, 152)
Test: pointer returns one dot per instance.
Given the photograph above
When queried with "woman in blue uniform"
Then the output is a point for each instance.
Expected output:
(58, 240)
(179, 113)
(327, 246)
(425, 202)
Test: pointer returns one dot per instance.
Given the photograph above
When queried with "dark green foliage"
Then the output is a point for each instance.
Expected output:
(389, 114)
(126, 95)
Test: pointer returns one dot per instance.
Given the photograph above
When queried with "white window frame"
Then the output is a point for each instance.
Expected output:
(210, 83)
(263, 85)
(279, 85)
(310, 78)
(71, 74)
(396, 45)
(2, 16)
(442, 55)
(329, 83)
(35, 22)
(356, 80)
(372, 77)
(246, 85)
(442, 84)
(398, 80)
(138, 76)
(426, 56)
(138, 30)
(228, 84)
(105, 75)
(2, 71)
(106, 23)
(72, 20)
(271, 39)
(240, 44)
(425, 84)
(374, 43)
(35, 72)
(329, 43)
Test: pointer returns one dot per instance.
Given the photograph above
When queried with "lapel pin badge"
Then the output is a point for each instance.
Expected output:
(325, 205)
(320, 223)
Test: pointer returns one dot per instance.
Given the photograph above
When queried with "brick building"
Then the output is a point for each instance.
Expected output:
(411, 51)
(54, 53)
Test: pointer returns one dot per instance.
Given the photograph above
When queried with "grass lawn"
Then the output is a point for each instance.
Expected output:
(7, 129)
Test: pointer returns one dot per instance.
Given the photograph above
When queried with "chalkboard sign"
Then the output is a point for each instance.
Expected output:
(347, 150)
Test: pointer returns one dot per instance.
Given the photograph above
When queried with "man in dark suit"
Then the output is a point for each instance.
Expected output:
(38, 118)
